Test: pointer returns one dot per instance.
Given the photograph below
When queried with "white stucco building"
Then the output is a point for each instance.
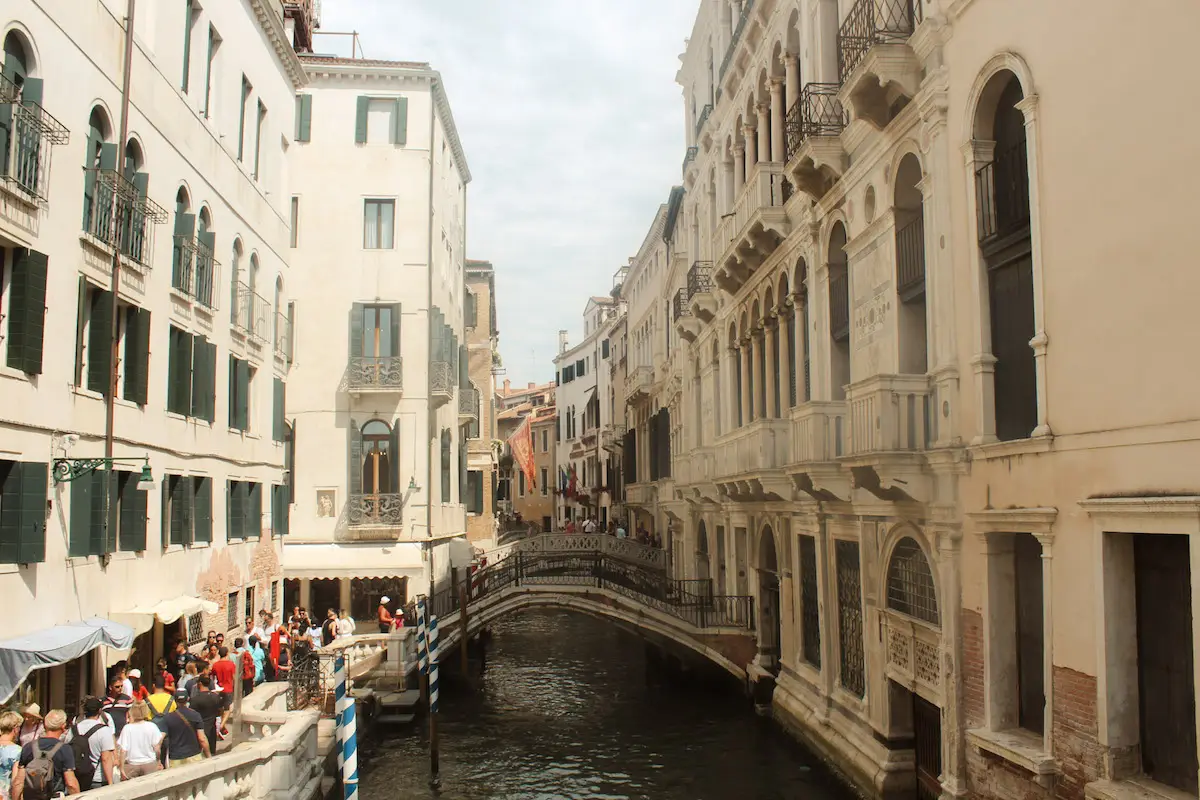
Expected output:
(378, 209)
(193, 199)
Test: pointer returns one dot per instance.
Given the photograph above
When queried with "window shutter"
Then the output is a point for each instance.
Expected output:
(303, 117)
(31, 536)
(354, 459)
(400, 121)
(125, 510)
(164, 521)
(204, 278)
(243, 390)
(203, 493)
(284, 493)
(235, 516)
(187, 45)
(179, 512)
(173, 348)
(27, 311)
(360, 119)
(210, 383)
(276, 511)
(233, 415)
(291, 339)
(479, 493)
(277, 411)
(394, 455)
(291, 463)
(104, 520)
(138, 357)
(356, 330)
(79, 541)
(6, 126)
(254, 516)
(199, 383)
(99, 355)
(395, 329)
(108, 155)
(141, 183)
(187, 500)
(10, 511)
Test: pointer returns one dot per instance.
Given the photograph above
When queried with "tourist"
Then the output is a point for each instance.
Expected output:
(31, 724)
(189, 675)
(117, 702)
(186, 742)
(60, 779)
(211, 707)
(139, 747)
(181, 659)
(345, 625)
(329, 628)
(10, 751)
(93, 743)
(314, 633)
(302, 644)
(589, 526)
(260, 660)
(384, 616)
(246, 659)
(139, 692)
(570, 526)
(621, 532)
(162, 671)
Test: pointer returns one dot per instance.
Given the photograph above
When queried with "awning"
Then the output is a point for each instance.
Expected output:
(376, 560)
(141, 619)
(58, 645)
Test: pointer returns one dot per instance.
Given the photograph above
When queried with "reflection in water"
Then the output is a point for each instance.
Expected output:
(566, 711)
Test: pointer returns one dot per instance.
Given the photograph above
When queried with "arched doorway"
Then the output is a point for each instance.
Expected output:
(768, 601)
(703, 568)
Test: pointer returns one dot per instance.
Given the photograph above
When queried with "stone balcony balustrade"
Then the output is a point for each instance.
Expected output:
(755, 229)
(891, 426)
(819, 432)
(750, 461)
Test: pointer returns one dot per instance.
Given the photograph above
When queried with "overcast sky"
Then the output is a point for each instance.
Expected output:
(573, 129)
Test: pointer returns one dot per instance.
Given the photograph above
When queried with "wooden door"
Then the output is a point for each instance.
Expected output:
(927, 735)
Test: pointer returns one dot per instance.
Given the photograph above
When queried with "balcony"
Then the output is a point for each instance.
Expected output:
(699, 291)
(441, 383)
(375, 374)
(283, 336)
(194, 271)
(689, 157)
(891, 426)
(705, 113)
(251, 313)
(686, 325)
(118, 215)
(818, 440)
(750, 461)
(639, 494)
(746, 25)
(26, 162)
(695, 473)
(880, 73)
(757, 226)
(375, 517)
(814, 124)
(1002, 196)
(637, 384)
(468, 405)
(612, 437)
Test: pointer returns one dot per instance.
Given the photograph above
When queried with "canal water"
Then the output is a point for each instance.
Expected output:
(569, 707)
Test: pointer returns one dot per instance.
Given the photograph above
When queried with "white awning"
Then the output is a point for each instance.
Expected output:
(377, 560)
(58, 645)
(141, 619)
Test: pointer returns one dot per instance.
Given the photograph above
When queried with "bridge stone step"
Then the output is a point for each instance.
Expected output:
(406, 699)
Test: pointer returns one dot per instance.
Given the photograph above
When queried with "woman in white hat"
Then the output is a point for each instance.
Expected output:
(31, 724)
(385, 616)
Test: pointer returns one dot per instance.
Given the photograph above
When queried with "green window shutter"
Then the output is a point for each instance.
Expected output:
(243, 389)
(132, 526)
(304, 118)
(180, 523)
(79, 541)
(10, 511)
(395, 329)
(89, 175)
(233, 525)
(233, 416)
(210, 383)
(172, 369)
(31, 537)
(137, 356)
(203, 516)
(394, 454)
(187, 44)
(354, 460)
(106, 486)
(27, 310)
(99, 356)
(469, 312)
(277, 410)
(400, 121)
(292, 333)
(125, 509)
(254, 520)
(200, 375)
(356, 330)
(80, 315)
(141, 503)
(360, 119)
(164, 519)
(183, 376)
(187, 495)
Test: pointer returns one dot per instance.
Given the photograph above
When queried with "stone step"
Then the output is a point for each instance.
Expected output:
(395, 719)
(408, 698)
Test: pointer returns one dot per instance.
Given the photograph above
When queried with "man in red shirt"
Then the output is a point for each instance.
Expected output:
(223, 669)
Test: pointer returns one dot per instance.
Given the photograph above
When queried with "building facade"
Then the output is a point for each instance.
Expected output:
(972, 576)
(381, 442)
(477, 403)
(144, 246)
(533, 502)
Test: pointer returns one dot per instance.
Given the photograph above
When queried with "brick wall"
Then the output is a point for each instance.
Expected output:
(1076, 745)
(973, 667)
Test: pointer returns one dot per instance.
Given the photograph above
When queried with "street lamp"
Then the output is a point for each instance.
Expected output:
(68, 469)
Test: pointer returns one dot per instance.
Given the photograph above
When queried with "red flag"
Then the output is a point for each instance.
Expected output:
(521, 443)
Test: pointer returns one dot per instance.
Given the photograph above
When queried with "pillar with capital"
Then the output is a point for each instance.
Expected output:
(739, 172)
(778, 151)
(744, 400)
(751, 147)
(756, 374)
(799, 309)
(791, 76)
(770, 325)
(785, 351)
(765, 127)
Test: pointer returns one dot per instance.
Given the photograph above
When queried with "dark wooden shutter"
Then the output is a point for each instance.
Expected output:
(234, 515)
(360, 119)
(125, 509)
(27, 311)
(210, 383)
(354, 459)
(79, 534)
(80, 315)
(479, 491)
(394, 455)
(291, 339)
(233, 415)
(203, 508)
(277, 410)
(31, 501)
(106, 518)
(89, 178)
(187, 501)
(254, 521)
(99, 356)
(356, 330)
(204, 279)
(164, 520)
(303, 117)
(10, 511)
(394, 329)
(180, 512)
(137, 356)
(187, 45)
(199, 377)
(469, 312)
(400, 121)
(243, 391)
(134, 502)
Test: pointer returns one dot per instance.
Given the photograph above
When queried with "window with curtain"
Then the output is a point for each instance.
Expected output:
(377, 456)
(378, 224)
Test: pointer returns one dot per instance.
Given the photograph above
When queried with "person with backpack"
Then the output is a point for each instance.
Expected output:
(47, 765)
(247, 659)
(186, 742)
(139, 749)
(94, 745)
(118, 701)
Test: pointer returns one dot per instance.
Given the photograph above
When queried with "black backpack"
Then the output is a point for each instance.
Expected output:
(41, 779)
(85, 765)
(160, 717)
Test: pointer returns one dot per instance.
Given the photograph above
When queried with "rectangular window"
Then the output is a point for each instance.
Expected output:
(280, 510)
(1031, 646)
(131, 513)
(568, 374)
(250, 602)
(278, 411)
(520, 482)
(195, 628)
(201, 510)
(810, 613)
(545, 441)
(231, 611)
(303, 117)
(189, 17)
(580, 368)
(87, 529)
(378, 224)
(243, 503)
(214, 43)
(23, 494)
(136, 360)
(177, 502)
(241, 376)
(260, 123)
(26, 309)
(850, 621)
(545, 479)
(381, 120)
(295, 222)
(274, 609)
(93, 338)
(474, 497)
(241, 144)
(604, 349)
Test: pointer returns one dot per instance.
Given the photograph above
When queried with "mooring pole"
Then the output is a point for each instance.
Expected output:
(432, 631)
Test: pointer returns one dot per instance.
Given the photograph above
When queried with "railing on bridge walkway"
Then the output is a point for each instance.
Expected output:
(692, 601)
(626, 549)
(311, 677)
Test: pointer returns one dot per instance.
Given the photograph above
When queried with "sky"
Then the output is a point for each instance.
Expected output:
(573, 128)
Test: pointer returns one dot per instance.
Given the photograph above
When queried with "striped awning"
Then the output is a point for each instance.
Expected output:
(377, 560)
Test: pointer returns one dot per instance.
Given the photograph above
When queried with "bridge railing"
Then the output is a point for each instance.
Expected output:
(627, 549)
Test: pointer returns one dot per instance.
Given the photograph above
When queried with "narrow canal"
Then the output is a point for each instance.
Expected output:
(568, 708)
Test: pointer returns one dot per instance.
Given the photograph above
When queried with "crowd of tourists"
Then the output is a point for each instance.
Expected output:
(615, 528)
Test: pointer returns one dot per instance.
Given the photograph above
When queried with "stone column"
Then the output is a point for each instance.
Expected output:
(791, 75)
(739, 174)
(756, 346)
(344, 593)
(949, 557)
(765, 131)
(778, 145)
(745, 354)
(730, 181)
(784, 355)
(735, 13)
(798, 301)
(306, 594)
(751, 148)
(770, 322)
(1040, 341)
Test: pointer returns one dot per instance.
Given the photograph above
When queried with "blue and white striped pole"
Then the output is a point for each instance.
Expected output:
(339, 702)
(433, 665)
(422, 651)
(348, 736)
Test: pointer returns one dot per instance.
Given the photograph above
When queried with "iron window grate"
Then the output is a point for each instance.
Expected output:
(910, 588)
(850, 620)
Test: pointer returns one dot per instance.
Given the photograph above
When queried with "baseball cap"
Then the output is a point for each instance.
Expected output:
(181, 694)
(135, 673)
(385, 599)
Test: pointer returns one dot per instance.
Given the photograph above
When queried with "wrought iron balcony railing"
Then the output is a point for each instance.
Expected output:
(375, 510)
(381, 373)
(733, 40)
(194, 271)
(468, 402)
(251, 313)
(26, 161)
(690, 156)
(1002, 194)
(910, 257)
(816, 112)
(441, 378)
(703, 118)
(872, 22)
(117, 213)
(699, 278)
(283, 335)
(679, 306)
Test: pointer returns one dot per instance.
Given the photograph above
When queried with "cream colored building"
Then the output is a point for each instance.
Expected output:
(966, 540)
(477, 403)
(379, 191)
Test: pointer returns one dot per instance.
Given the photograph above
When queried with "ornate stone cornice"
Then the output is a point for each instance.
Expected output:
(273, 26)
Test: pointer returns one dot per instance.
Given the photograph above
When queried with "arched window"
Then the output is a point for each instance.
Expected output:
(910, 588)
(181, 249)
(839, 313)
(16, 68)
(377, 458)
(278, 310)
(235, 282)
(99, 154)
(206, 245)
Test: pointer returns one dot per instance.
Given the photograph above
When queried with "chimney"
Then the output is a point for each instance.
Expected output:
(507, 385)
(562, 342)
(532, 385)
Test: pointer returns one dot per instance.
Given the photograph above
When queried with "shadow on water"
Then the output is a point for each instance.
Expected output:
(569, 708)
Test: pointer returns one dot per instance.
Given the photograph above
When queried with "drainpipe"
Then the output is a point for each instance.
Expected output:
(430, 428)
(111, 400)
